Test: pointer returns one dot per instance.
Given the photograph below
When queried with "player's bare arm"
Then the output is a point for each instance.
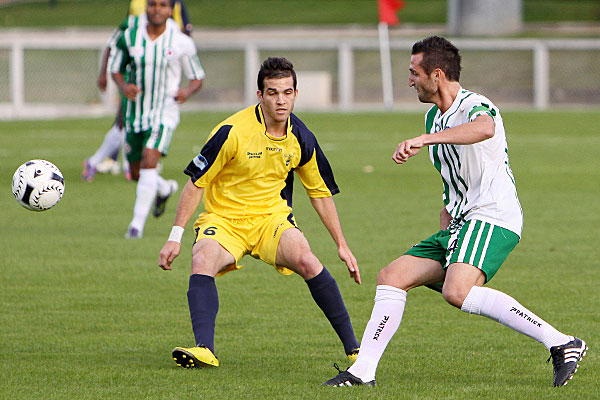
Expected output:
(188, 203)
(478, 130)
(102, 81)
(129, 90)
(325, 207)
(445, 219)
(184, 93)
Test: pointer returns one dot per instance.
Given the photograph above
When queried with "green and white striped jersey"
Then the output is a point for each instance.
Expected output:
(155, 66)
(478, 182)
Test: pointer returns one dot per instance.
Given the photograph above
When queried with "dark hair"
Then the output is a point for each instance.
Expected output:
(438, 52)
(275, 67)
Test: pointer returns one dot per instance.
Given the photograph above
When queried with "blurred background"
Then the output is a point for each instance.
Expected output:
(525, 54)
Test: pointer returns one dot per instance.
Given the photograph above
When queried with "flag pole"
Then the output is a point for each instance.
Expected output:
(386, 66)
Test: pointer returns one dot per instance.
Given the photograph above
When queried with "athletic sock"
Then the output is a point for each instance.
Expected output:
(504, 309)
(203, 301)
(163, 187)
(385, 320)
(325, 292)
(111, 143)
(145, 194)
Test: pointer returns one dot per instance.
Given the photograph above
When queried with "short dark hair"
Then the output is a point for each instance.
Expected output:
(438, 52)
(275, 67)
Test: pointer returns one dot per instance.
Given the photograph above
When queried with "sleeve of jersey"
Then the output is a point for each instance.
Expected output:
(119, 57)
(314, 170)
(191, 63)
(480, 106)
(217, 151)
(112, 41)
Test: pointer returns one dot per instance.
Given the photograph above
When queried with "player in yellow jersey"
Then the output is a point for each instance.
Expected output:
(244, 174)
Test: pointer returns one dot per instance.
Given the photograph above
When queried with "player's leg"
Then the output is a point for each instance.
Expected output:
(421, 265)
(160, 141)
(293, 252)
(565, 350)
(463, 288)
(209, 258)
(393, 282)
(124, 161)
(165, 189)
(110, 144)
(146, 188)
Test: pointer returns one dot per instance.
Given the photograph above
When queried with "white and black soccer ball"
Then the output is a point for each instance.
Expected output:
(38, 185)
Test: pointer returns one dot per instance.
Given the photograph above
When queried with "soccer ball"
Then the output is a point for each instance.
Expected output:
(38, 185)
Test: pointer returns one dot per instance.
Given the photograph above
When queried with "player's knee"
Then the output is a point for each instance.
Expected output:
(454, 295)
(307, 264)
(203, 264)
(392, 275)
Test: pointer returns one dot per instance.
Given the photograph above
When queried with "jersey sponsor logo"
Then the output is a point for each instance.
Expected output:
(381, 326)
(253, 154)
(525, 316)
(136, 51)
(169, 53)
(273, 149)
(200, 161)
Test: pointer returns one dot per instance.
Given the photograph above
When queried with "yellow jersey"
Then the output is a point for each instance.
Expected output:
(246, 172)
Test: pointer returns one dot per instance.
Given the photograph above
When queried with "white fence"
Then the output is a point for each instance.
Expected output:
(50, 77)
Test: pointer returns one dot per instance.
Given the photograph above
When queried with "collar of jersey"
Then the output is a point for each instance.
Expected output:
(456, 103)
(144, 26)
(261, 120)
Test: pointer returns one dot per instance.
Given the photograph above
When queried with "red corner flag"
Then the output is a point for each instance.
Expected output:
(388, 11)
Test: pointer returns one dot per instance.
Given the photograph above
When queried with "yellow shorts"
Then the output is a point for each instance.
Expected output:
(257, 236)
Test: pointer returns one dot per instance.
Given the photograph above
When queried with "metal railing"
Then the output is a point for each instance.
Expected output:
(522, 69)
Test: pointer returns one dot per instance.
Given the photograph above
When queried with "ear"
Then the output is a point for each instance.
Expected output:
(437, 75)
(259, 95)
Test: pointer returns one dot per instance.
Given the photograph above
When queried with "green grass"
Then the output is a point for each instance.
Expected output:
(236, 13)
(89, 315)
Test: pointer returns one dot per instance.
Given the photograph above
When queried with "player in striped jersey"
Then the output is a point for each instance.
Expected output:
(481, 220)
(244, 175)
(154, 52)
(114, 139)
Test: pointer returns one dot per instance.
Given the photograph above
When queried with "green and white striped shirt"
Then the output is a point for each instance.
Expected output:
(478, 182)
(155, 66)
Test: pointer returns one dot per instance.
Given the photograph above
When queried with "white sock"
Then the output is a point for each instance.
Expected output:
(145, 194)
(163, 186)
(112, 141)
(385, 320)
(504, 309)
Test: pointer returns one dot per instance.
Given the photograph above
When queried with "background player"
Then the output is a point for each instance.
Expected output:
(245, 173)
(115, 137)
(156, 52)
(481, 220)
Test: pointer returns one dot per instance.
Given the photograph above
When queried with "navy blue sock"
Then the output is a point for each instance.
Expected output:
(203, 300)
(326, 294)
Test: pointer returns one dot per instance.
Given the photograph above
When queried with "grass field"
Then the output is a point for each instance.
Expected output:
(236, 13)
(87, 314)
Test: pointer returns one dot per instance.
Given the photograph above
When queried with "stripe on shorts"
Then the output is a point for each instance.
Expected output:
(474, 244)
(161, 139)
